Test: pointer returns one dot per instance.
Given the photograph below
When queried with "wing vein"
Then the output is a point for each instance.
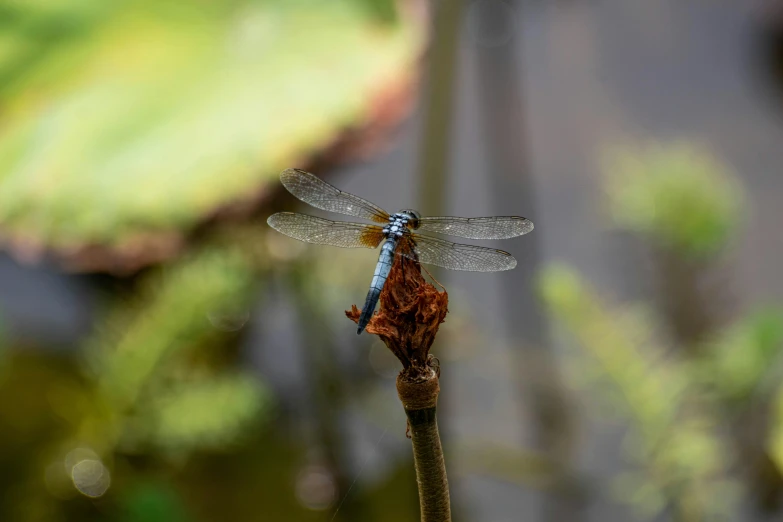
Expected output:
(496, 227)
(321, 231)
(316, 192)
(456, 256)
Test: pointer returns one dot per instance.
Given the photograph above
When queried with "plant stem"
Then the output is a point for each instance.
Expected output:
(419, 398)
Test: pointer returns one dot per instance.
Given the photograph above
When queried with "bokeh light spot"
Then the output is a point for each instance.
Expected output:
(316, 488)
(91, 478)
(77, 455)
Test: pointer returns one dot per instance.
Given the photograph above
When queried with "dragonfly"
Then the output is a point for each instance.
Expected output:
(395, 231)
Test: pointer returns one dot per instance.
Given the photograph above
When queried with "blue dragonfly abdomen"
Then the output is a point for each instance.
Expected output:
(382, 269)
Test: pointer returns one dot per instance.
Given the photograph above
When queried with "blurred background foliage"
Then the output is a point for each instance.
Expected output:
(205, 370)
(125, 127)
(685, 408)
(192, 106)
(677, 194)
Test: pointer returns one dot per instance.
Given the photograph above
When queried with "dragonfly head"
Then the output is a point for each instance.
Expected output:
(412, 217)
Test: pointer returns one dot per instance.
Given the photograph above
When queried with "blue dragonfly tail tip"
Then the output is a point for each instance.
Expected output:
(360, 330)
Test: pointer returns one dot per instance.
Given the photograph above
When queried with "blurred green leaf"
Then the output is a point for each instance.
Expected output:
(775, 441)
(206, 413)
(642, 382)
(152, 501)
(674, 431)
(383, 10)
(741, 357)
(145, 116)
(636, 489)
(137, 355)
(678, 194)
(770, 337)
(171, 314)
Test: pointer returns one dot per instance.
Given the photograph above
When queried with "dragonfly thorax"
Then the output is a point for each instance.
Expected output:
(398, 224)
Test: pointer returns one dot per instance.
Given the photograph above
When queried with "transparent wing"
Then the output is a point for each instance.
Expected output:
(312, 229)
(454, 256)
(498, 227)
(313, 190)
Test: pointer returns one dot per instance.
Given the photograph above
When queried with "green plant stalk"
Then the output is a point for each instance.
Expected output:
(420, 402)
